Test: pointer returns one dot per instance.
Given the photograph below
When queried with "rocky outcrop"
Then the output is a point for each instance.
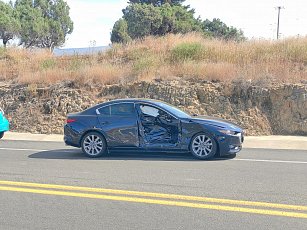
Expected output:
(279, 109)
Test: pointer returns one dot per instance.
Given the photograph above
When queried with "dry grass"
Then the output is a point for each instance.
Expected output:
(173, 56)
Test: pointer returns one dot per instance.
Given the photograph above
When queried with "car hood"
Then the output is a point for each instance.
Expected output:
(217, 122)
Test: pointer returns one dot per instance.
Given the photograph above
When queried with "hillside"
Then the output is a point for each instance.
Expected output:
(171, 57)
(261, 85)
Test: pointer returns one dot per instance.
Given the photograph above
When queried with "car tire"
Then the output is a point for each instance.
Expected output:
(203, 146)
(1, 135)
(94, 145)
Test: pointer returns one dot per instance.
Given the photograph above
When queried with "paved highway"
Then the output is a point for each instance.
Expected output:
(45, 185)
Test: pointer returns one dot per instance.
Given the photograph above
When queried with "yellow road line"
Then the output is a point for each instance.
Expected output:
(153, 201)
(158, 195)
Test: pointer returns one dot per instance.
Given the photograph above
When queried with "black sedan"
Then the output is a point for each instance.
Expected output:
(149, 125)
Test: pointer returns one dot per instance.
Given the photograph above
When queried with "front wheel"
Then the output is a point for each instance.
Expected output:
(1, 134)
(203, 146)
(94, 145)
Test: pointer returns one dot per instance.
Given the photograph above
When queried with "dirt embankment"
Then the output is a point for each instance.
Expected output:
(279, 109)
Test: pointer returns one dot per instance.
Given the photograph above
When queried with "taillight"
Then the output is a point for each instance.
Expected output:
(69, 120)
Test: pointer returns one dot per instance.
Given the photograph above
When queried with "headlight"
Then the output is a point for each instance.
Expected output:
(228, 132)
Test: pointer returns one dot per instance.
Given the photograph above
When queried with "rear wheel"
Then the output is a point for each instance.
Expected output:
(94, 145)
(203, 146)
(1, 134)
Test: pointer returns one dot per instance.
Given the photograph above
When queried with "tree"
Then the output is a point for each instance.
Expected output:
(45, 23)
(9, 24)
(159, 17)
(34, 26)
(142, 20)
(120, 32)
(178, 19)
(218, 29)
(157, 2)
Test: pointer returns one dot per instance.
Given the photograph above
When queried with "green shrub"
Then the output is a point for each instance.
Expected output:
(2, 52)
(186, 52)
(76, 63)
(47, 64)
(138, 53)
(145, 63)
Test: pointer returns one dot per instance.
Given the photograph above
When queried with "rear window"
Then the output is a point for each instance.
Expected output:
(123, 109)
(105, 110)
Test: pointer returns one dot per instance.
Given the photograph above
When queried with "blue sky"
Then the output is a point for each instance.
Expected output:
(94, 19)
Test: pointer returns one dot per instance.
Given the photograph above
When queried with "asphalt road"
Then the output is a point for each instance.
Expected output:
(259, 189)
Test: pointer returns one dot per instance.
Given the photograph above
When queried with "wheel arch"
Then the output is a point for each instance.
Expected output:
(93, 131)
(206, 133)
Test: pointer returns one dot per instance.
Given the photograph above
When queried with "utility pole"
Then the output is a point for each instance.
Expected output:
(278, 8)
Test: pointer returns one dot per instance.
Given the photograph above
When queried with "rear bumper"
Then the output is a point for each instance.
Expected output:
(230, 144)
(4, 125)
(71, 137)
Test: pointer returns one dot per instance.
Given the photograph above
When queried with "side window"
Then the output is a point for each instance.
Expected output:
(149, 110)
(155, 112)
(123, 109)
(105, 111)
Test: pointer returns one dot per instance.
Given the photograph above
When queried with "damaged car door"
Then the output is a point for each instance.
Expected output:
(119, 122)
(157, 127)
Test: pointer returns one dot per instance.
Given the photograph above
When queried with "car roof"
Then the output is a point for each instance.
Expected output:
(131, 100)
(134, 100)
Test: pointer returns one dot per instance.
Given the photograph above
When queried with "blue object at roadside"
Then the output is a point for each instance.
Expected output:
(4, 124)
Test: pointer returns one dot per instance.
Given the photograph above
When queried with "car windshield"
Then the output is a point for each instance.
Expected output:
(177, 112)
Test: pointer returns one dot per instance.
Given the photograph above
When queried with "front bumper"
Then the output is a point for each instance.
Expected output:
(4, 125)
(230, 144)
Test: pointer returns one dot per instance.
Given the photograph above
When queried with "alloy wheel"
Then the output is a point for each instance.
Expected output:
(93, 145)
(202, 146)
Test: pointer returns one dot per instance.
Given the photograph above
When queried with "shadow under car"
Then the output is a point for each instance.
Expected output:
(76, 154)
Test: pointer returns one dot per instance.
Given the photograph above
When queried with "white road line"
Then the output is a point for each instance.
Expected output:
(36, 150)
(269, 161)
(14, 149)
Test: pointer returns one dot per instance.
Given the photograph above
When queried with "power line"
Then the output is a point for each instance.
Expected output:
(278, 8)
